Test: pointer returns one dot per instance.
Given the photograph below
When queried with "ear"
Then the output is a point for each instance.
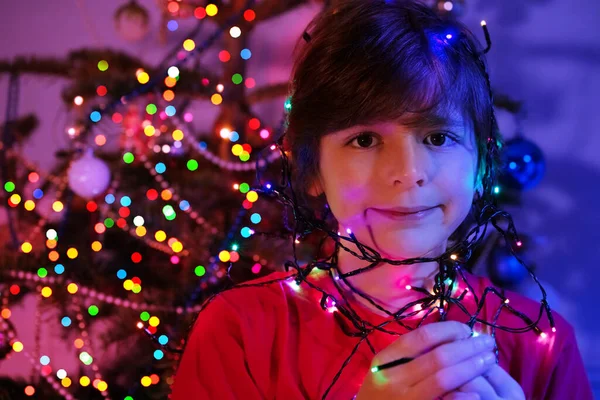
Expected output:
(315, 188)
(478, 189)
(479, 183)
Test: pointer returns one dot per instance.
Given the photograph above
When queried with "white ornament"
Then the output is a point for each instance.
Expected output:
(89, 176)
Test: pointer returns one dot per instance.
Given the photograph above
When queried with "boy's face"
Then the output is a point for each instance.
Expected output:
(392, 165)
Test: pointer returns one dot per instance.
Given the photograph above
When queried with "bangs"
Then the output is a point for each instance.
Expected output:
(419, 85)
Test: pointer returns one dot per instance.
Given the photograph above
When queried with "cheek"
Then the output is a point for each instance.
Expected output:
(458, 181)
(345, 186)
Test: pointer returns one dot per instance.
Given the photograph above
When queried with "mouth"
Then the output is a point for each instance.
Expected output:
(408, 214)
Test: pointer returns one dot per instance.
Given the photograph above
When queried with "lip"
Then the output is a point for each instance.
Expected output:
(406, 210)
(408, 213)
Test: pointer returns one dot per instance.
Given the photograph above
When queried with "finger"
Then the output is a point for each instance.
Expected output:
(441, 357)
(422, 340)
(504, 384)
(461, 396)
(482, 387)
(451, 378)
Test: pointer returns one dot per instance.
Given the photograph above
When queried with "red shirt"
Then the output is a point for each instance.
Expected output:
(276, 342)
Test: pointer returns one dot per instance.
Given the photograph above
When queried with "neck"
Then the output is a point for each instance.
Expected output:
(386, 283)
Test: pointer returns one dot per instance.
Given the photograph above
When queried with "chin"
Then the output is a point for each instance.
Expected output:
(403, 246)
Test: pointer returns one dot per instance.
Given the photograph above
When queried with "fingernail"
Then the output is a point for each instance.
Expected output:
(468, 330)
(489, 358)
(489, 341)
(481, 343)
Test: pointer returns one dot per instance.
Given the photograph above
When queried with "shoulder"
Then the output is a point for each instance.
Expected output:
(519, 309)
(261, 302)
(230, 348)
(521, 348)
(263, 295)
(271, 285)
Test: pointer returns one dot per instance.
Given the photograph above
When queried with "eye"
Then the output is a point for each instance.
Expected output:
(440, 139)
(364, 140)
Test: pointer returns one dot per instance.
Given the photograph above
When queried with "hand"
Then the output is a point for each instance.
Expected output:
(446, 357)
(495, 384)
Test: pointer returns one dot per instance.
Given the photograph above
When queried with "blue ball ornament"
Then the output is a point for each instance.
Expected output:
(504, 269)
(524, 165)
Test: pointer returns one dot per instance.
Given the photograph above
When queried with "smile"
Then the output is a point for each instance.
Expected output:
(408, 216)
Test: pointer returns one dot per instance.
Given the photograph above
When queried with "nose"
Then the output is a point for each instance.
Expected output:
(407, 164)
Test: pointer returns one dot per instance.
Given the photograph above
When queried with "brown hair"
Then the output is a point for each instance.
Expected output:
(375, 60)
